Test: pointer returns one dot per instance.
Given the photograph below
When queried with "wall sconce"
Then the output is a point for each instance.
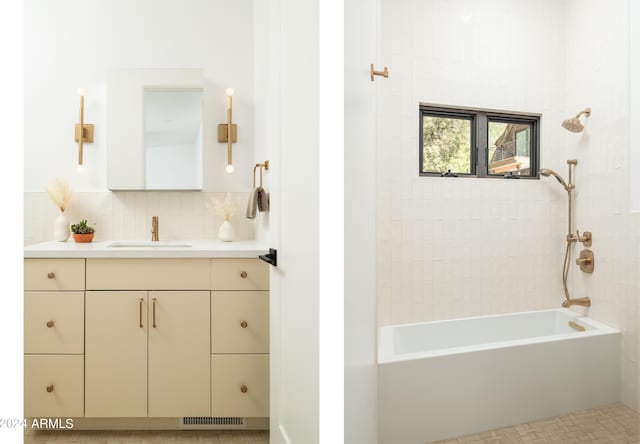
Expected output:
(228, 132)
(83, 131)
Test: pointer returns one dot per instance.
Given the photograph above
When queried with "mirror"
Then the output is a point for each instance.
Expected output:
(155, 129)
(173, 139)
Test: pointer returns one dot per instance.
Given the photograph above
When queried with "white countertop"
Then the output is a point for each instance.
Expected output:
(198, 249)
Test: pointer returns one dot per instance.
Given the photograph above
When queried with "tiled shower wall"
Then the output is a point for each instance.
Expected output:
(598, 76)
(460, 247)
(452, 248)
(127, 215)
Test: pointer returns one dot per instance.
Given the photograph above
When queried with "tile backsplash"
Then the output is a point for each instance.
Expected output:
(127, 215)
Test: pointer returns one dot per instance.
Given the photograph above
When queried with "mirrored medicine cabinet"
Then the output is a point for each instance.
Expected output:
(155, 129)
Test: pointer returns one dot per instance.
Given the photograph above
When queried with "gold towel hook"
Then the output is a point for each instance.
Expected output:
(262, 166)
(384, 73)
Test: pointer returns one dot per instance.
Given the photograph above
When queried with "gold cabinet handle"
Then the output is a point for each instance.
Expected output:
(244, 324)
(243, 388)
(51, 275)
(50, 388)
(141, 301)
(243, 274)
(50, 324)
(154, 312)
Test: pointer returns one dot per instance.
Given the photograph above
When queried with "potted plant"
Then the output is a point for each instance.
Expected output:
(81, 232)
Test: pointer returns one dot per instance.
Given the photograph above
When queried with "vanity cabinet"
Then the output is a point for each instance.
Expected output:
(140, 338)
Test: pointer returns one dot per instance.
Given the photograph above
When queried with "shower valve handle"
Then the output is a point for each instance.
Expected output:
(585, 238)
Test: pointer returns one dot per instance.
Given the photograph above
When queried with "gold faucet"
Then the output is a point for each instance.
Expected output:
(154, 229)
(583, 302)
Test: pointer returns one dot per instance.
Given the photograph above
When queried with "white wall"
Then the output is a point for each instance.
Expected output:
(360, 345)
(634, 85)
(266, 98)
(598, 76)
(71, 44)
(461, 247)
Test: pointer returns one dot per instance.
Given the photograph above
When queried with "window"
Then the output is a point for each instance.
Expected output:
(478, 143)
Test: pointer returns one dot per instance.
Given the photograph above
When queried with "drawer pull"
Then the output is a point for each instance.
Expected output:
(243, 388)
(243, 274)
(51, 275)
(244, 324)
(50, 388)
(141, 301)
(154, 312)
(50, 324)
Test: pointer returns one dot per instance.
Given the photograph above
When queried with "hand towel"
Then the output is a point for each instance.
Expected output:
(252, 205)
(263, 200)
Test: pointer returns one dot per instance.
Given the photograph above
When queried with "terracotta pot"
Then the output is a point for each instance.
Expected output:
(83, 238)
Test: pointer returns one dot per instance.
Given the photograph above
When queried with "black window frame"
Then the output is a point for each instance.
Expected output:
(480, 119)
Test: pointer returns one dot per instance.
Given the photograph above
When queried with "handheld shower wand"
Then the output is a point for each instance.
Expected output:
(547, 172)
(571, 238)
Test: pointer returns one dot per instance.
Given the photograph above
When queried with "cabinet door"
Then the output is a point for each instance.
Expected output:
(179, 350)
(116, 354)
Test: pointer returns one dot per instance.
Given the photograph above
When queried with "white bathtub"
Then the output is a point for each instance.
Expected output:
(449, 378)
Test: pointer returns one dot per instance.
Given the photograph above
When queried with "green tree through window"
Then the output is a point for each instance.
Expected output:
(446, 144)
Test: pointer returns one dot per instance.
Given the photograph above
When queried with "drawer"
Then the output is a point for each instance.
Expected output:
(53, 274)
(147, 274)
(54, 322)
(53, 386)
(240, 322)
(239, 274)
(240, 385)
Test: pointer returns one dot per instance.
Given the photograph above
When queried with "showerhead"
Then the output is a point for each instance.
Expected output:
(573, 124)
(547, 172)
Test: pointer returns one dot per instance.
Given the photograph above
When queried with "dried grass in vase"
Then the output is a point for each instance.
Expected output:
(59, 192)
(224, 209)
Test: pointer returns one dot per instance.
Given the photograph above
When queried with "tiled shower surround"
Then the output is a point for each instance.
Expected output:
(127, 215)
(459, 247)
(456, 247)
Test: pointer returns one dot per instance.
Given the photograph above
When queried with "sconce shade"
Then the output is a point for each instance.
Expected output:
(228, 132)
(83, 132)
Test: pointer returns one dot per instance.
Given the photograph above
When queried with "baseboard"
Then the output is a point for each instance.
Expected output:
(145, 424)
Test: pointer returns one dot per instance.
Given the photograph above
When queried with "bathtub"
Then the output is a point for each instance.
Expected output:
(449, 378)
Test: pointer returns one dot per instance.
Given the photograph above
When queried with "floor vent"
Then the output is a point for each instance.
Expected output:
(208, 422)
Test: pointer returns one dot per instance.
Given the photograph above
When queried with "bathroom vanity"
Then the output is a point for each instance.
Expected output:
(124, 336)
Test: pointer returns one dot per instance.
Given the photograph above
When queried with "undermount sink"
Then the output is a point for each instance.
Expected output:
(148, 244)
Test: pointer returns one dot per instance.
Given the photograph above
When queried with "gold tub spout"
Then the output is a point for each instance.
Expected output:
(583, 302)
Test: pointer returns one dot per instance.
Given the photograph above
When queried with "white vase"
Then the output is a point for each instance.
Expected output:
(61, 228)
(226, 233)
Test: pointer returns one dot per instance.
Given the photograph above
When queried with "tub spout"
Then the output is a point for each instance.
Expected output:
(583, 302)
